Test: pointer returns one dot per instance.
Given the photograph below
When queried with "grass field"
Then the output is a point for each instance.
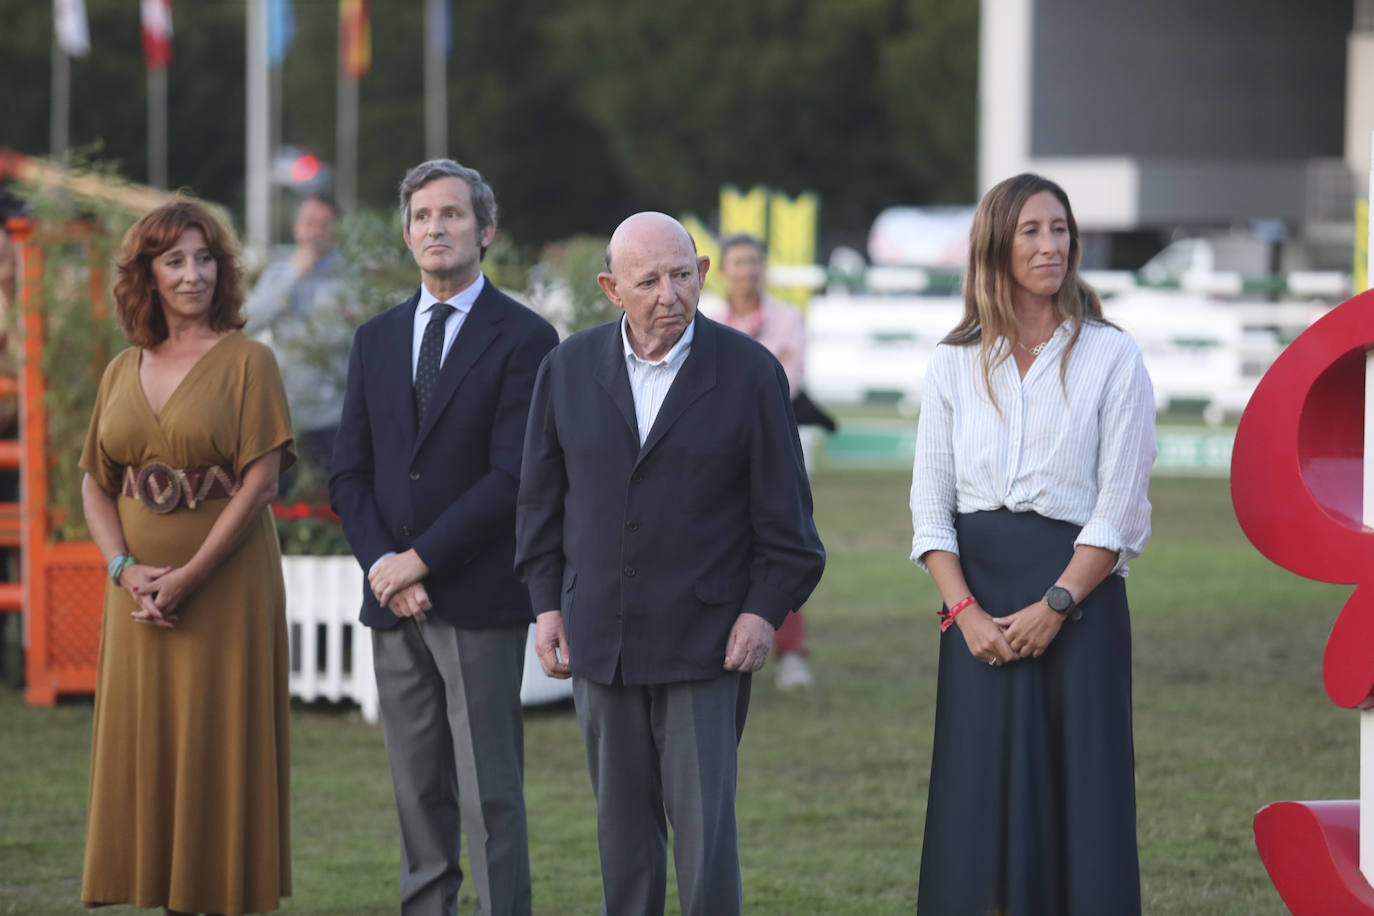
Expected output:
(1229, 715)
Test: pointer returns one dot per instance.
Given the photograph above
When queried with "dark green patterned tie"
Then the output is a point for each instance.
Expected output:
(431, 353)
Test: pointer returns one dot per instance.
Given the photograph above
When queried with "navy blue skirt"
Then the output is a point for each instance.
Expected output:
(1032, 778)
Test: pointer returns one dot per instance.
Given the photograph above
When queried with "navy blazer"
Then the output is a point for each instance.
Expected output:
(445, 486)
(652, 552)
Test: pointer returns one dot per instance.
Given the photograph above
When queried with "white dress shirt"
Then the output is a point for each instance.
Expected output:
(462, 304)
(650, 381)
(1080, 453)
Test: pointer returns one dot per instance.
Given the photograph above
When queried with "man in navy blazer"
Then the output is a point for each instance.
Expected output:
(426, 467)
(664, 529)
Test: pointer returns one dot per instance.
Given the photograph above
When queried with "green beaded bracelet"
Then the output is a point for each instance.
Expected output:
(118, 563)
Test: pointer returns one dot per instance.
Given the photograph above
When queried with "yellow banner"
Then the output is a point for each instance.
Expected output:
(707, 245)
(744, 212)
(787, 226)
(792, 238)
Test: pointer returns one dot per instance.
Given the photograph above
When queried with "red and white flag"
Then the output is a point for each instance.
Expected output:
(73, 34)
(157, 33)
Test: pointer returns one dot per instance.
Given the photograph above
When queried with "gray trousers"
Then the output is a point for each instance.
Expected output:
(669, 749)
(455, 738)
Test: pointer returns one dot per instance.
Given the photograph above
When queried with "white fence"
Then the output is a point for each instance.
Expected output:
(1196, 349)
(331, 652)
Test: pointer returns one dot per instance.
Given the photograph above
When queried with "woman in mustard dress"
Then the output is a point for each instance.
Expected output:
(190, 755)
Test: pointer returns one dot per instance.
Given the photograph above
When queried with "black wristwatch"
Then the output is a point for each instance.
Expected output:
(1061, 599)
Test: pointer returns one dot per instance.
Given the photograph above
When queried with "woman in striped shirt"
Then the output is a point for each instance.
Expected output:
(1028, 498)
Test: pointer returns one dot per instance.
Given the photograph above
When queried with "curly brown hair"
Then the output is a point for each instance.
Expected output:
(138, 307)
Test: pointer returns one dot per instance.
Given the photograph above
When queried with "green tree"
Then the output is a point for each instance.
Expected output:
(869, 102)
(577, 113)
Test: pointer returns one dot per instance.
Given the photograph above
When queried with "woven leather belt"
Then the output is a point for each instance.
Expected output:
(162, 488)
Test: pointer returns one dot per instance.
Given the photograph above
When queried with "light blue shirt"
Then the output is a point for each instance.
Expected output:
(292, 311)
(1080, 453)
(650, 381)
(462, 304)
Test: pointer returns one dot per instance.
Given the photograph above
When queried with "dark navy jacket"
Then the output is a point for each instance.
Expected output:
(447, 486)
(652, 553)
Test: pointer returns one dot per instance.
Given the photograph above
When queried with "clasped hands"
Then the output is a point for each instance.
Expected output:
(1027, 633)
(157, 591)
(396, 584)
(746, 649)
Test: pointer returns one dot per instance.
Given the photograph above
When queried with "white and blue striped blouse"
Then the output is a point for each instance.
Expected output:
(1080, 453)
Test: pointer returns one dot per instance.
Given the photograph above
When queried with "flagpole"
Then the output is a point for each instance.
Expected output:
(60, 112)
(274, 190)
(346, 178)
(257, 222)
(157, 127)
(436, 80)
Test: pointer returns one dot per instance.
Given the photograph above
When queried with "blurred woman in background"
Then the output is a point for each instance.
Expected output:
(779, 327)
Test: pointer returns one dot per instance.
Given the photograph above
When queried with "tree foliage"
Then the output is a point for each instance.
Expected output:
(792, 94)
(78, 237)
(577, 113)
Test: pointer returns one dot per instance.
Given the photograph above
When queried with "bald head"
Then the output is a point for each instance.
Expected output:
(636, 227)
(654, 273)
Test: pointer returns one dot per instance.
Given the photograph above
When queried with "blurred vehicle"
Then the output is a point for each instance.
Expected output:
(1254, 254)
(928, 237)
(1242, 254)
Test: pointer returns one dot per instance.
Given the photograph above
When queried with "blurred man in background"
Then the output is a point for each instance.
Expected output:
(293, 295)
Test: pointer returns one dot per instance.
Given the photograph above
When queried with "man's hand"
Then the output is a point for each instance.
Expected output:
(751, 639)
(411, 601)
(304, 258)
(394, 573)
(551, 644)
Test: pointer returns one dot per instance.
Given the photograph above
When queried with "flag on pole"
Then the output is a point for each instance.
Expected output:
(157, 33)
(355, 38)
(73, 32)
(281, 30)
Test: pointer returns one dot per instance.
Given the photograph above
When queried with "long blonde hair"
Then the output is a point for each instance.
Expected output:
(989, 319)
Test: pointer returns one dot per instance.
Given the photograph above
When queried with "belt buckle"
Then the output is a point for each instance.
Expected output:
(153, 501)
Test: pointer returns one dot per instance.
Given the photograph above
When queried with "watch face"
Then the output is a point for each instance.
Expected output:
(1059, 599)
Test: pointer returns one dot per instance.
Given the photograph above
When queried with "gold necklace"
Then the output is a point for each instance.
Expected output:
(1038, 348)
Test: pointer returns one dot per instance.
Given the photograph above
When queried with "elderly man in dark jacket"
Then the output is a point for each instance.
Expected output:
(664, 531)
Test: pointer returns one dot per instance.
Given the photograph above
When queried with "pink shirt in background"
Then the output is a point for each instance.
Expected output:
(776, 325)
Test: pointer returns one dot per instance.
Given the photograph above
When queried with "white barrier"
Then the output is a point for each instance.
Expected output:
(1197, 349)
(858, 346)
(331, 652)
(1193, 348)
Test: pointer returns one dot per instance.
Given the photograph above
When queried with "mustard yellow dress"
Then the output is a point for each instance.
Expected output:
(190, 756)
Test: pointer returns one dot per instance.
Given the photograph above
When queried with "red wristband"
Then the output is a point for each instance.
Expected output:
(947, 617)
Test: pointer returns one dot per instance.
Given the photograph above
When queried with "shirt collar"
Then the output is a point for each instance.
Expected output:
(674, 357)
(461, 302)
